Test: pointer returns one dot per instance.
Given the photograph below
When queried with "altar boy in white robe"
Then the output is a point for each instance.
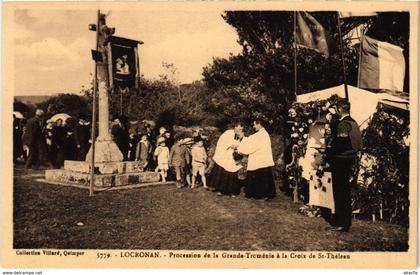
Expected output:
(259, 182)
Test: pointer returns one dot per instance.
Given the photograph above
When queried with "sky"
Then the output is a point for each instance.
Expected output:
(52, 47)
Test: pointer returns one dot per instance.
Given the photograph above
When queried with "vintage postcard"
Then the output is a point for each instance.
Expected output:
(209, 134)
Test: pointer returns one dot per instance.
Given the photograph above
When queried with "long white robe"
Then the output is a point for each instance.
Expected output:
(223, 155)
(258, 149)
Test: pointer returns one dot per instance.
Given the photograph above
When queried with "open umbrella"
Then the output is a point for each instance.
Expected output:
(62, 116)
(18, 115)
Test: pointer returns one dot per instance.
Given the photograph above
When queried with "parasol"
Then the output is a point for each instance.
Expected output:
(18, 115)
(62, 116)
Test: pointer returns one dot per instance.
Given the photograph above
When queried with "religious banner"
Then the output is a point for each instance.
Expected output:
(124, 67)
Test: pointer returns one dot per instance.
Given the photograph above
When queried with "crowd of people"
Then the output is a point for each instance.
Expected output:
(183, 158)
(39, 141)
(186, 160)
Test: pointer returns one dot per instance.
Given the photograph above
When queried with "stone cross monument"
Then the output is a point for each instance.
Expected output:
(109, 168)
(105, 148)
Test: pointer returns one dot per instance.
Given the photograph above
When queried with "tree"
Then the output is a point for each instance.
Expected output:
(164, 100)
(19, 106)
(66, 103)
(260, 80)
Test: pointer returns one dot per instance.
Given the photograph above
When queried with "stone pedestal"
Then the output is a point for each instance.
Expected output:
(101, 181)
(112, 167)
(105, 151)
(107, 174)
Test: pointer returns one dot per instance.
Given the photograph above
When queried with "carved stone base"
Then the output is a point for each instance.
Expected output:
(105, 180)
(105, 151)
(101, 167)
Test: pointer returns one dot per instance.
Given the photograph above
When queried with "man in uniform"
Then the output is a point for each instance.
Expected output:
(342, 156)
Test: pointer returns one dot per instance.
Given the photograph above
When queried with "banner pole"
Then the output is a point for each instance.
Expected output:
(93, 131)
(342, 57)
(121, 102)
(362, 36)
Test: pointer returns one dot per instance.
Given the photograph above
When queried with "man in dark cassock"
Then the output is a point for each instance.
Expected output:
(82, 136)
(58, 143)
(32, 138)
(132, 143)
(17, 139)
(342, 157)
(70, 147)
(121, 135)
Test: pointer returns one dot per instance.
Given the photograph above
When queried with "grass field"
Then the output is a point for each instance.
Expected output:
(164, 217)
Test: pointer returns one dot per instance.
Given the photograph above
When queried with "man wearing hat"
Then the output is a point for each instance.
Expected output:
(342, 157)
(32, 138)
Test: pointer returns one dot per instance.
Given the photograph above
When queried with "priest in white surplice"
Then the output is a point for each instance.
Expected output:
(224, 176)
(259, 182)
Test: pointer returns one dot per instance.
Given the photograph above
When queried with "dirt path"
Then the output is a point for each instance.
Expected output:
(165, 217)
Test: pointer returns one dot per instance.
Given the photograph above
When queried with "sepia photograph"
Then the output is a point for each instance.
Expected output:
(209, 135)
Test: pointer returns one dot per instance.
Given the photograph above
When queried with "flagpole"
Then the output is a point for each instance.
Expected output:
(295, 52)
(342, 57)
(295, 188)
(362, 36)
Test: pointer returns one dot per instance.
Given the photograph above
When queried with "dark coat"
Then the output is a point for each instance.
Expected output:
(143, 151)
(82, 134)
(17, 139)
(33, 131)
(121, 138)
(178, 155)
(347, 141)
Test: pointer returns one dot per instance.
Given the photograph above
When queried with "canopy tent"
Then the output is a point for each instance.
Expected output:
(363, 102)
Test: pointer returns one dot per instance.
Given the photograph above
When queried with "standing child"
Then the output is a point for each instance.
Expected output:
(187, 170)
(178, 160)
(199, 159)
(162, 155)
(143, 151)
